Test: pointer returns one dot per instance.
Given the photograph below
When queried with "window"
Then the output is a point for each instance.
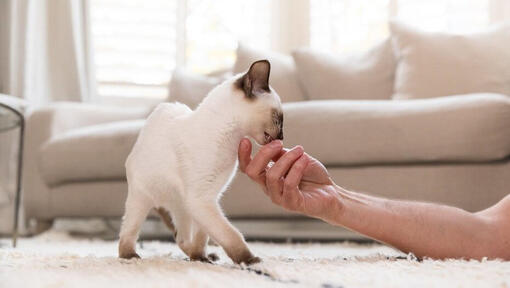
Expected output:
(138, 43)
(214, 27)
(456, 16)
(349, 25)
(134, 46)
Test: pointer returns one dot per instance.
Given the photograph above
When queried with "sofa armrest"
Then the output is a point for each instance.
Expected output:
(64, 116)
(42, 123)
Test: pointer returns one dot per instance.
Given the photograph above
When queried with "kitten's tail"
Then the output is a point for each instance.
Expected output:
(167, 219)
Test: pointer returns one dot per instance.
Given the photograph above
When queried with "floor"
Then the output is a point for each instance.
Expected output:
(56, 259)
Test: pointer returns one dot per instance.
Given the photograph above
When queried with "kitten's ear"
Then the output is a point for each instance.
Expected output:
(256, 80)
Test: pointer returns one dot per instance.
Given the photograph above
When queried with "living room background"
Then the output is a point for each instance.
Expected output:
(113, 57)
(395, 114)
(202, 35)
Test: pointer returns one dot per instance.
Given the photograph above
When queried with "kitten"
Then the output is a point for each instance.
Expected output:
(183, 161)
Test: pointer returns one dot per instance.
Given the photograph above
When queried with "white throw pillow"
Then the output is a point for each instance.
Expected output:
(367, 75)
(439, 64)
(189, 88)
(283, 76)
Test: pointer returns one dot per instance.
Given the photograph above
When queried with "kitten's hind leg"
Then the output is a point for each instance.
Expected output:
(199, 246)
(210, 218)
(182, 223)
(167, 219)
(137, 208)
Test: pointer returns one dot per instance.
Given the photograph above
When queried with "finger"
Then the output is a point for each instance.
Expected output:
(257, 167)
(276, 193)
(244, 154)
(295, 175)
(282, 166)
(274, 175)
(279, 155)
(291, 197)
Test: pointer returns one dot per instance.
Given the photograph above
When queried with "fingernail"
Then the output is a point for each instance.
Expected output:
(244, 145)
(276, 143)
(299, 149)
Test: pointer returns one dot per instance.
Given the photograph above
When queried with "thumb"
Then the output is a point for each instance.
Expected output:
(244, 154)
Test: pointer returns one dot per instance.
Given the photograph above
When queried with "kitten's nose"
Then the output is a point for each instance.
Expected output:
(280, 135)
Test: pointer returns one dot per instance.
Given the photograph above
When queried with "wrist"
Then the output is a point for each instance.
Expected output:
(336, 206)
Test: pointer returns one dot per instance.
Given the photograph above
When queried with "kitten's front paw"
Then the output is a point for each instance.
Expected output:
(252, 260)
(129, 255)
(200, 258)
(247, 258)
(213, 257)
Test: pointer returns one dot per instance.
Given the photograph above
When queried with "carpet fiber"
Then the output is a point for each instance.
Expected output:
(58, 260)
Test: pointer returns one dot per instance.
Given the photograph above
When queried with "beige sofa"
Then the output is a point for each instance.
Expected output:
(453, 149)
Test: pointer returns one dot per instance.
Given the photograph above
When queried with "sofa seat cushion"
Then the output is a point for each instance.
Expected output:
(456, 129)
(463, 128)
(91, 153)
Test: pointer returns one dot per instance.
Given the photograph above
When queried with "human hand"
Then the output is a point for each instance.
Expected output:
(296, 181)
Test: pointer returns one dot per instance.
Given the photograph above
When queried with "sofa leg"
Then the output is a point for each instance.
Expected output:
(42, 226)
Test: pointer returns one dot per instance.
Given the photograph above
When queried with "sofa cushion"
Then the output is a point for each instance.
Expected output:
(367, 75)
(95, 152)
(283, 77)
(438, 64)
(190, 88)
(464, 128)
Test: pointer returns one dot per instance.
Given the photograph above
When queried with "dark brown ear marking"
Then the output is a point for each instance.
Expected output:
(256, 80)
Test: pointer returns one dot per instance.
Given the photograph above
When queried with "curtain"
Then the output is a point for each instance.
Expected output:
(46, 51)
(44, 57)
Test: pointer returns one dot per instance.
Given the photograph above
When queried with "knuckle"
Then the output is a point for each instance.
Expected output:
(289, 204)
(288, 185)
(300, 165)
(250, 171)
(297, 150)
(271, 177)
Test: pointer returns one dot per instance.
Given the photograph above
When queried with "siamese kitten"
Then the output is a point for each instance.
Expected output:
(183, 161)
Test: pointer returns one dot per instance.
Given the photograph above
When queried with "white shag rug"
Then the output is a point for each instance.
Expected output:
(55, 259)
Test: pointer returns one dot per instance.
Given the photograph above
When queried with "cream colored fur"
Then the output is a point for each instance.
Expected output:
(183, 161)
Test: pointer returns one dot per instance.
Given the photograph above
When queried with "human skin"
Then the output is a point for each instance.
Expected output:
(299, 183)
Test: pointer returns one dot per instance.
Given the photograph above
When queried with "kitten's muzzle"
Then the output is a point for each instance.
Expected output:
(268, 137)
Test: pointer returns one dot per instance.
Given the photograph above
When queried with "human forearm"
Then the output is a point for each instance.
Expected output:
(424, 229)
(300, 183)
